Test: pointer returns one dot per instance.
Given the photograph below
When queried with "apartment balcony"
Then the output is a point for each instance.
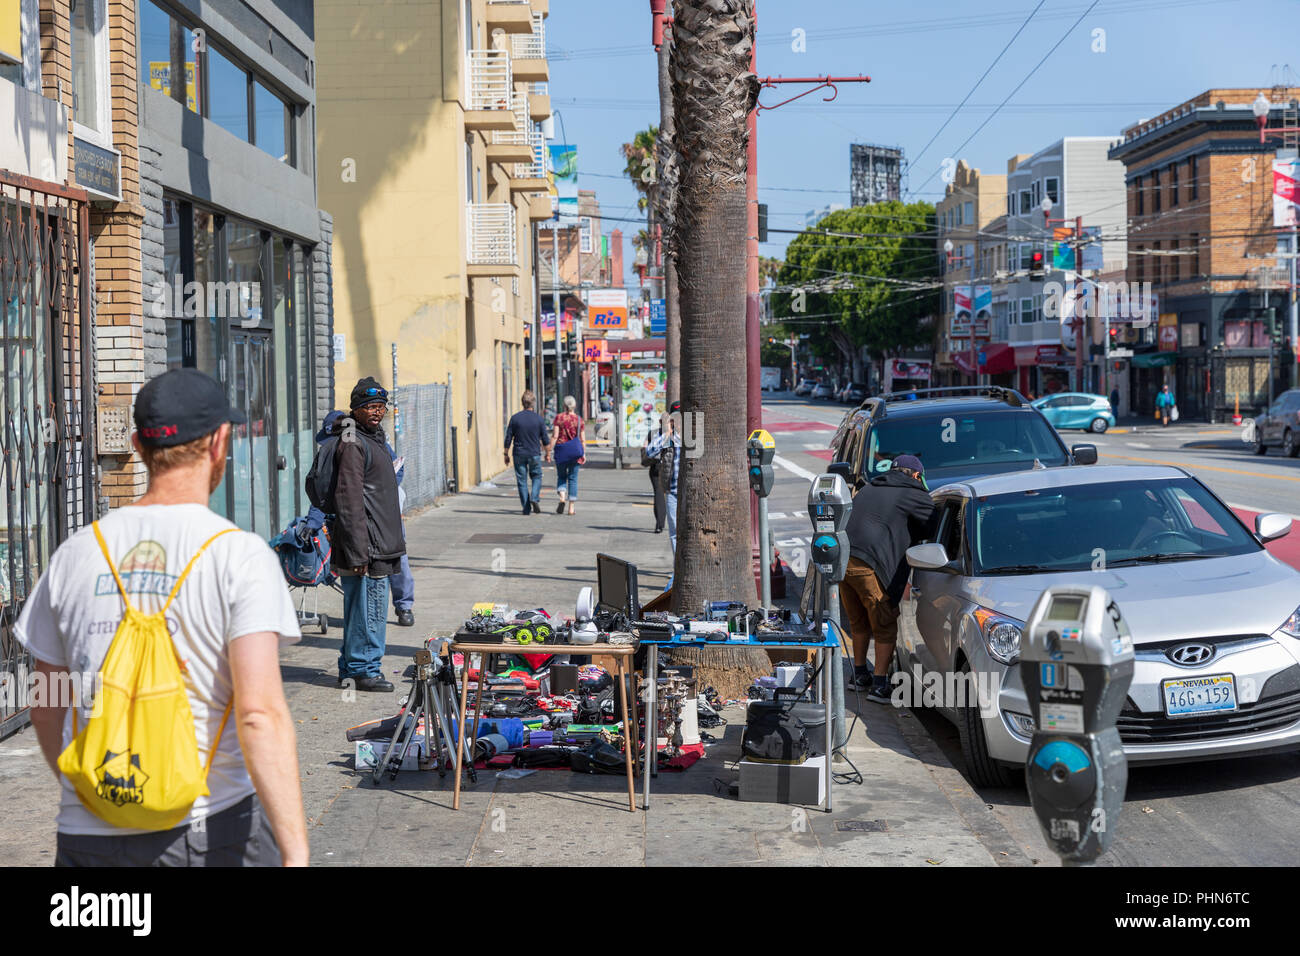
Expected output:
(539, 207)
(530, 176)
(491, 95)
(541, 8)
(539, 101)
(510, 16)
(493, 245)
(513, 146)
(528, 52)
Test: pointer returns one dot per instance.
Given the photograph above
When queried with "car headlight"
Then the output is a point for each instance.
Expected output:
(1291, 626)
(1001, 635)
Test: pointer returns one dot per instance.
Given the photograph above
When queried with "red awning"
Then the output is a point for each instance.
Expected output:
(962, 361)
(999, 358)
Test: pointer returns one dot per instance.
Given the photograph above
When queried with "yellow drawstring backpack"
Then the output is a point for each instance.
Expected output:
(136, 762)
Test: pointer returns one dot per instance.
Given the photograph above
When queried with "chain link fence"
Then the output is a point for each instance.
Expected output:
(420, 436)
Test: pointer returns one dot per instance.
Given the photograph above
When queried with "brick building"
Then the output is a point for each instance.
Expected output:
(1200, 229)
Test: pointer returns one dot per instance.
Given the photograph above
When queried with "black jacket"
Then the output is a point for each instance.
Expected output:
(367, 526)
(890, 513)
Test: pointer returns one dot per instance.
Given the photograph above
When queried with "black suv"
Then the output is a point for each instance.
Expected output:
(958, 433)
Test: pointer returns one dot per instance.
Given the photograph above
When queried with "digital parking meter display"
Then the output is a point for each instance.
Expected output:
(1066, 607)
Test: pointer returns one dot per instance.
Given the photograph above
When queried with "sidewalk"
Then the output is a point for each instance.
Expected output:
(913, 807)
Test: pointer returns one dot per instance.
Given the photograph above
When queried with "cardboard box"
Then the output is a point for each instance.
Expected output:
(803, 784)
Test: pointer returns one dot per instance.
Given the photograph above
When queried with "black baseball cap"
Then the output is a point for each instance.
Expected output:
(180, 406)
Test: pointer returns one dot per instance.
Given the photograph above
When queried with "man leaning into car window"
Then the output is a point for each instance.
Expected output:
(890, 513)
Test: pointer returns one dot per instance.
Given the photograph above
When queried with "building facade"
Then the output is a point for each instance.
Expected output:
(434, 168)
(1200, 227)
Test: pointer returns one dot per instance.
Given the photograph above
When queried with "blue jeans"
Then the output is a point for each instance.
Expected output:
(566, 477)
(365, 623)
(526, 468)
(670, 504)
(403, 587)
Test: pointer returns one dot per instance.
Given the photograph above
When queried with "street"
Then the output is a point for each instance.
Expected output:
(1239, 812)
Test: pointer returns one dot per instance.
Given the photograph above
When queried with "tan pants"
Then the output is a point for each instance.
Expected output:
(871, 613)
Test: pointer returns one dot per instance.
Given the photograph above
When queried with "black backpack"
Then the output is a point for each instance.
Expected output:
(774, 733)
(323, 476)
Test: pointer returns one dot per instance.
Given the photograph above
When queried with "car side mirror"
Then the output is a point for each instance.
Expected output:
(1084, 454)
(1270, 527)
(842, 468)
(928, 557)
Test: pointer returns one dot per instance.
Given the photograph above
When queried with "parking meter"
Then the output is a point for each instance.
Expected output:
(1076, 663)
(829, 504)
(760, 450)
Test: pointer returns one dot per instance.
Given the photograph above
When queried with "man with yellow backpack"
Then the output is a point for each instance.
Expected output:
(179, 749)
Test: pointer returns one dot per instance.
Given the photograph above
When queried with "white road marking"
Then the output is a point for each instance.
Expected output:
(1137, 444)
(792, 468)
(774, 515)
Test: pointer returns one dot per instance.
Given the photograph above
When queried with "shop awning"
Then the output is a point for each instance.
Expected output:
(997, 358)
(1153, 359)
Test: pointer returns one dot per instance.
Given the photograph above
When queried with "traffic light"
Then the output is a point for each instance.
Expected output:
(1037, 263)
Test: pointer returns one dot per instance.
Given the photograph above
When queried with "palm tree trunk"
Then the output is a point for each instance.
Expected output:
(713, 92)
(667, 170)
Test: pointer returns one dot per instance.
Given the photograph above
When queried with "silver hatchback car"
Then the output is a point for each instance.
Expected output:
(1197, 588)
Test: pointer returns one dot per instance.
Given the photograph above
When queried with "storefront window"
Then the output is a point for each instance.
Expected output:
(179, 328)
(89, 69)
(304, 353)
(228, 94)
(282, 340)
(270, 115)
(207, 340)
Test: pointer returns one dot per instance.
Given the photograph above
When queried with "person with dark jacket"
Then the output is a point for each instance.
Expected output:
(890, 513)
(366, 535)
(532, 442)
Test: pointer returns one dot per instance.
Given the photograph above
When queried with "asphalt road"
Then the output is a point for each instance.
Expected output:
(1243, 812)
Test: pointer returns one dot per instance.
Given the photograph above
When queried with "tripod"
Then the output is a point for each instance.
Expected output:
(435, 698)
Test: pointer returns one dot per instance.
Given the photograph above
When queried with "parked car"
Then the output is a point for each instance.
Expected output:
(854, 393)
(1196, 587)
(805, 386)
(1279, 425)
(1091, 413)
(822, 390)
(958, 433)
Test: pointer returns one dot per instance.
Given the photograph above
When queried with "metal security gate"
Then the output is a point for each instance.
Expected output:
(47, 487)
(420, 436)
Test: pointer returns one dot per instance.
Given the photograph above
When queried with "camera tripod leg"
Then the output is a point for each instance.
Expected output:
(419, 710)
(382, 762)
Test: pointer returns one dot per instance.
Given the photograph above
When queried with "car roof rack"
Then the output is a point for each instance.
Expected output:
(876, 404)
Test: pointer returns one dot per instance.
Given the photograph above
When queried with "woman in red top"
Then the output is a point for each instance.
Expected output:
(569, 454)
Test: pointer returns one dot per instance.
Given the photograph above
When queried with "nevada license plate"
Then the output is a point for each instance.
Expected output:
(1195, 696)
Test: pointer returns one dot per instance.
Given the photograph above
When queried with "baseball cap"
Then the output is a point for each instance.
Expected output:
(181, 405)
(367, 392)
(911, 462)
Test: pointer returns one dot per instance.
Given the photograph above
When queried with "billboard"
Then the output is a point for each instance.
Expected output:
(562, 171)
(1167, 333)
(607, 310)
(1286, 192)
(962, 307)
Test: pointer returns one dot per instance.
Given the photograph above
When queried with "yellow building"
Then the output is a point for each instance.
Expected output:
(433, 166)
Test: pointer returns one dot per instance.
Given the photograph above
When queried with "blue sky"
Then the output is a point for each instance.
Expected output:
(923, 58)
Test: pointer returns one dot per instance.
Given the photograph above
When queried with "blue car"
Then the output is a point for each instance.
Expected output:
(1091, 413)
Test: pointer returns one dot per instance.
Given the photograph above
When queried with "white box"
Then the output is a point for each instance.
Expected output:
(370, 752)
(803, 784)
(791, 675)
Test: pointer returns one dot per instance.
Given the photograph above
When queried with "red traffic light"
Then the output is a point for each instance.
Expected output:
(1037, 259)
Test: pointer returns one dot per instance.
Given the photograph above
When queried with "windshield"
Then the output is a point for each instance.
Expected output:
(963, 444)
(1107, 525)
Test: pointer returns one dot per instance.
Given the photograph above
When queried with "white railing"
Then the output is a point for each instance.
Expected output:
(519, 135)
(530, 46)
(491, 82)
(491, 234)
(536, 169)
(540, 88)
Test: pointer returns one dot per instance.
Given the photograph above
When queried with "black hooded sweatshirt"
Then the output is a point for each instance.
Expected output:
(890, 513)
(367, 527)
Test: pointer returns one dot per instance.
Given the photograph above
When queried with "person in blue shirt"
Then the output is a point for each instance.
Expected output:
(532, 445)
(668, 443)
(1165, 405)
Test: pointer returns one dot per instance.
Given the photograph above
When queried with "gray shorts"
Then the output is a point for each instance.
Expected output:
(237, 836)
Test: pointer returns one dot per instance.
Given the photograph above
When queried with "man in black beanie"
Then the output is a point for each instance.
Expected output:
(366, 535)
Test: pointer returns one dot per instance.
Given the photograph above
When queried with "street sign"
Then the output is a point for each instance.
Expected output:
(1121, 353)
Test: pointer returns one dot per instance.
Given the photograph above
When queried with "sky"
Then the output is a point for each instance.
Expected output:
(1124, 61)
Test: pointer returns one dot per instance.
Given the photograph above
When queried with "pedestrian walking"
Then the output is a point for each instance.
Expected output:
(570, 455)
(532, 444)
(657, 485)
(1166, 406)
(890, 513)
(366, 538)
(667, 447)
(228, 611)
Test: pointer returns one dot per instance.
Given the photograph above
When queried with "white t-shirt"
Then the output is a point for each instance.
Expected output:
(235, 588)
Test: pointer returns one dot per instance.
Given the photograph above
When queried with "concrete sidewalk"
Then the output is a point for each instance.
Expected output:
(912, 807)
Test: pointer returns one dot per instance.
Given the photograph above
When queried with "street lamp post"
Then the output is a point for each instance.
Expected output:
(1078, 321)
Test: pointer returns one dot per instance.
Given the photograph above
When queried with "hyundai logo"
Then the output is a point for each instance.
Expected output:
(1190, 655)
